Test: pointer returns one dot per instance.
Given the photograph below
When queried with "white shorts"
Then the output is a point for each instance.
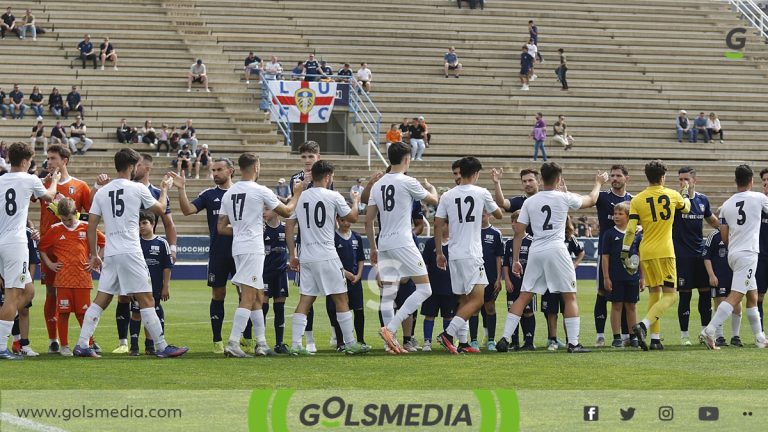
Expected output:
(125, 274)
(743, 264)
(249, 270)
(549, 269)
(14, 265)
(404, 262)
(466, 273)
(323, 278)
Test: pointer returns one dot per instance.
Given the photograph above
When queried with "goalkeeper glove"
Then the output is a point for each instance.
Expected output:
(684, 192)
(630, 262)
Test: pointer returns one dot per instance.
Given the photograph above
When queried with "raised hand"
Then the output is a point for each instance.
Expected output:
(496, 174)
(178, 181)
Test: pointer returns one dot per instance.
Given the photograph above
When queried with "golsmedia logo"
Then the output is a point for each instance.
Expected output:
(736, 42)
(288, 410)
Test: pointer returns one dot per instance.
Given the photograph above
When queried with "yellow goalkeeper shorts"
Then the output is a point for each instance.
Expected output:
(659, 272)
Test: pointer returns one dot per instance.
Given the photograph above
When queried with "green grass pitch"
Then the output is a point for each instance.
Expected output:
(187, 323)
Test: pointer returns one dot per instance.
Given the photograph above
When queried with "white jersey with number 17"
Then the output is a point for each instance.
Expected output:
(16, 189)
(546, 214)
(742, 213)
(393, 195)
(244, 205)
(463, 208)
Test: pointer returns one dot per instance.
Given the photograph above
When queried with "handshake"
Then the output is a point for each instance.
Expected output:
(630, 262)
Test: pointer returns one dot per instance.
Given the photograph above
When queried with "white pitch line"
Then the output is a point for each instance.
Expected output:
(27, 424)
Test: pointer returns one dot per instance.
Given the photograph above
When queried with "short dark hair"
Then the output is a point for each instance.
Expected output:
(763, 172)
(146, 215)
(744, 175)
(62, 151)
(525, 171)
(146, 157)
(18, 152)
(126, 157)
(227, 161)
(309, 147)
(321, 169)
(655, 170)
(530, 22)
(455, 164)
(397, 151)
(247, 160)
(550, 171)
(469, 166)
(620, 167)
(687, 170)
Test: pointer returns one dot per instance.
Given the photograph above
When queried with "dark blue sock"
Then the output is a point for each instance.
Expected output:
(360, 325)
(446, 322)
(310, 319)
(24, 342)
(217, 318)
(490, 324)
(247, 333)
(705, 308)
(528, 324)
(122, 317)
(135, 328)
(429, 328)
(601, 313)
(265, 310)
(16, 330)
(624, 323)
(684, 310)
(485, 319)
(473, 322)
(160, 315)
(279, 310)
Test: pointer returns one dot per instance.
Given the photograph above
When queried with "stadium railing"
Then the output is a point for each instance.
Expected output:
(752, 12)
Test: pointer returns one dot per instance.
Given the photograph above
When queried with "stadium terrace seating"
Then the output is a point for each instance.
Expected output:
(633, 65)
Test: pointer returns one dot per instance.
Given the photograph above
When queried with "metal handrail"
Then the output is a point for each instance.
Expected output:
(752, 12)
(278, 112)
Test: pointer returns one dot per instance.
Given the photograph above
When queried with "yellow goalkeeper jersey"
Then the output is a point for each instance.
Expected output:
(654, 208)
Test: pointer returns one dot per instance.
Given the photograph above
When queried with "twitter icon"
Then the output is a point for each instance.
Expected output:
(627, 414)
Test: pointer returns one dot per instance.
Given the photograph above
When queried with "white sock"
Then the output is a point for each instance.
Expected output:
(601, 335)
(485, 330)
(411, 304)
(310, 337)
(5, 331)
(684, 334)
(90, 321)
(299, 323)
(624, 336)
(456, 326)
(152, 323)
(347, 327)
(17, 337)
(259, 328)
(239, 321)
(656, 336)
(754, 321)
(123, 341)
(735, 325)
(464, 333)
(572, 327)
(646, 322)
(388, 295)
(721, 314)
(510, 325)
(719, 331)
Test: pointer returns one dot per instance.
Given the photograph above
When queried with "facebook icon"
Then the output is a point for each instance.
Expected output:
(591, 413)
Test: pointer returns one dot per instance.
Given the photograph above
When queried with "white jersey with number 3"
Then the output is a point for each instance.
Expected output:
(546, 214)
(463, 208)
(393, 195)
(316, 213)
(119, 203)
(16, 189)
(742, 213)
(244, 205)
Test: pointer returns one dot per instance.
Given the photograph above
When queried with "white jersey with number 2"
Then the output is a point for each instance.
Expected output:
(546, 214)
(742, 213)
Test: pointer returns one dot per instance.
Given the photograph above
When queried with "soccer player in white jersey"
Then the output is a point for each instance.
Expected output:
(549, 263)
(242, 216)
(124, 270)
(739, 227)
(16, 189)
(394, 251)
(321, 270)
(462, 209)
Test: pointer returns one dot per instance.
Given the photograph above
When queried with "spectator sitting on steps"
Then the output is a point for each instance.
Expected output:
(74, 103)
(189, 136)
(9, 24)
(393, 135)
(59, 134)
(311, 69)
(252, 64)
(77, 132)
(55, 103)
(684, 126)
(36, 102)
(197, 73)
(325, 72)
(183, 160)
(126, 134)
(700, 127)
(416, 133)
(148, 134)
(451, 63)
(203, 158)
(163, 140)
(86, 50)
(108, 52)
(561, 133)
(713, 127)
(16, 102)
(273, 69)
(3, 106)
(297, 73)
(344, 72)
(38, 135)
(29, 24)
(364, 77)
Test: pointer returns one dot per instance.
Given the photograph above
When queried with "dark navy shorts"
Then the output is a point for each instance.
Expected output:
(276, 284)
(220, 270)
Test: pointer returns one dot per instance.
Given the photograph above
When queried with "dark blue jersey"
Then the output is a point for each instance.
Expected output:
(157, 254)
(687, 229)
(515, 204)
(717, 253)
(612, 243)
(606, 201)
(508, 256)
(210, 201)
(764, 235)
(275, 249)
(350, 251)
(439, 279)
(493, 246)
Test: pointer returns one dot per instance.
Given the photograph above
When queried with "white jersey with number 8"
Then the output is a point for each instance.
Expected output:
(15, 191)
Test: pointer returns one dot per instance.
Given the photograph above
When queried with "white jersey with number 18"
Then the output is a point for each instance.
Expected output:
(244, 205)
(742, 213)
(15, 191)
(463, 208)
(546, 213)
(393, 195)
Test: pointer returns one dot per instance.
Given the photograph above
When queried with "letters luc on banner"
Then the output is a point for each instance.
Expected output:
(306, 102)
